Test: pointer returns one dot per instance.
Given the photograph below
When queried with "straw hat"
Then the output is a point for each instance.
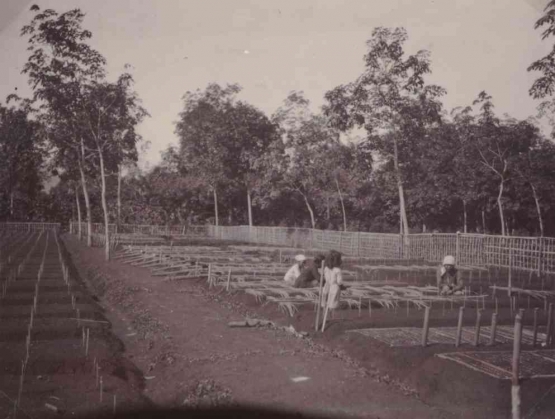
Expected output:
(449, 260)
(300, 258)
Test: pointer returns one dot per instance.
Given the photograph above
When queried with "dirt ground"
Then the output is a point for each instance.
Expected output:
(176, 333)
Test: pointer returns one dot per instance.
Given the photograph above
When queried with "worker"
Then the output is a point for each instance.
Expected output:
(334, 280)
(295, 271)
(449, 281)
(310, 275)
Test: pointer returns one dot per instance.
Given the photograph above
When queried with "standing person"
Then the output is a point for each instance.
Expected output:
(449, 281)
(295, 271)
(310, 274)
(334, 280)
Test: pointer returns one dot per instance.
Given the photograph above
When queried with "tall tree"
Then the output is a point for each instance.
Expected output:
(60, 64)
(200, 131)
(390, 95)
(536, 169)
(307, 137)
(544, 86)
(224, 141)
(110, 113)
(498, 144)
(249, 136)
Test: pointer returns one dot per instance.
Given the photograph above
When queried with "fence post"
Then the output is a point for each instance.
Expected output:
(358, 243)
(540, 257)
(510, 285)
(458, 248)
(341, 242)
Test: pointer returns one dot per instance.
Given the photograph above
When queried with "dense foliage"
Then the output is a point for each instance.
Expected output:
(381, 155)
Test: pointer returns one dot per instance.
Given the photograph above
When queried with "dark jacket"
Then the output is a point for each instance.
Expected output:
(309, 273)
(453, 279)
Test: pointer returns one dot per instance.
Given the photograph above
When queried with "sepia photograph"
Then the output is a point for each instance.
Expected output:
(277, 209)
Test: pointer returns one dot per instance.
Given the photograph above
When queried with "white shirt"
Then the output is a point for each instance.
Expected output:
(292, 274)
(332, 289)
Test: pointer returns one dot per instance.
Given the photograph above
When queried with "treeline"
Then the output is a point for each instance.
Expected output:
(382, 154)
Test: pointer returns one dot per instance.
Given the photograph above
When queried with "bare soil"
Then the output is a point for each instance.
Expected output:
(169, 346)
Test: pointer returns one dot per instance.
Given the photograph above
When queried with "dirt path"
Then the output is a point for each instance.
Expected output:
(178, 336)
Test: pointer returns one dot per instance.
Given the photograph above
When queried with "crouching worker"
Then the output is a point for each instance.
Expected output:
(295, 271)
(310, 275)
(449, 281)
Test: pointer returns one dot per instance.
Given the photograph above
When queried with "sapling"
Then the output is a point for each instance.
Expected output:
(21, 383)
(87, 344)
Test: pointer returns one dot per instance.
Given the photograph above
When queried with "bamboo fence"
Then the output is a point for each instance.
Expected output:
(535, 254)
(28, 227)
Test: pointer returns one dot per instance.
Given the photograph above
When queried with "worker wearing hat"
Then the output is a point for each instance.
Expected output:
(295, 271)
(449, 281)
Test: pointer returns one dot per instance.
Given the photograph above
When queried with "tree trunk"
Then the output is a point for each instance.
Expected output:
(119, 196)
(483, 222)
(87, 202)
(104, 206)
(538, 209)
(465, 216)
(312, 219)
(342, 206)
(250, 206)
(79, 231)
(216, 207)
(500, 205)
(401, 190)
(328, 208)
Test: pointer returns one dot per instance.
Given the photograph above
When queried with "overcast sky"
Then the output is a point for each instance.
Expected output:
(273, 47)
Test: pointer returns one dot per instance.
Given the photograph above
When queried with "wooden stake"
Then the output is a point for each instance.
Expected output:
(549, 325)
(426, 326)
(317, 323)
(114, 405)
(87, 343)
(535, 326)
(459, 327)
(20, 384)
(228, 279)
(101, 389)
(478, 325)
(515, 390)
(493, 329)
(325, 317)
